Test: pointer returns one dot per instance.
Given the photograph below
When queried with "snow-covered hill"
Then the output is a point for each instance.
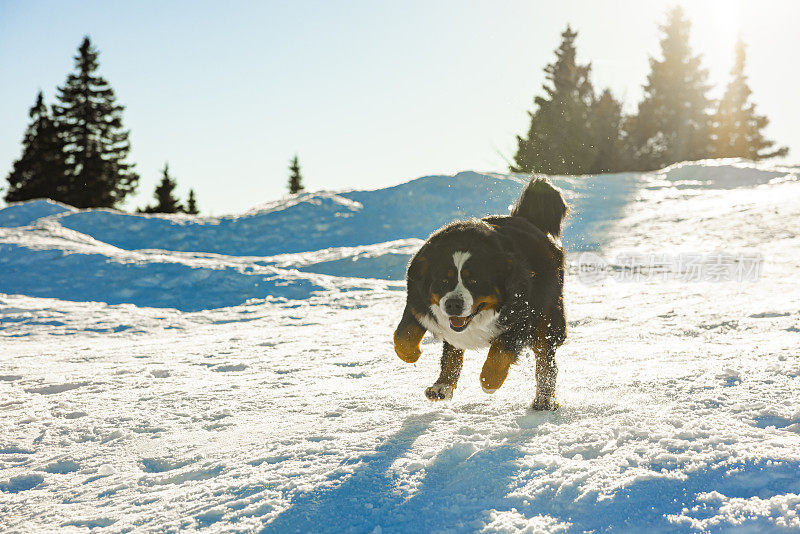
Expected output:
(194, 263)
(159, 373)
(314, 221)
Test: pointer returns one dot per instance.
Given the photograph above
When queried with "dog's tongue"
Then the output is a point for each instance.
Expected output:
(458, 322)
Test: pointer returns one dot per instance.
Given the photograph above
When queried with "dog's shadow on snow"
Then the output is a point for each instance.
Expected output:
(460, 488)
(454, 493)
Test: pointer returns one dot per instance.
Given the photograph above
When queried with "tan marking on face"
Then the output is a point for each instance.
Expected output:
(495, 368)
(451, 273)
(465, 273)
(407, 338)
(489, 302)
(435, 298)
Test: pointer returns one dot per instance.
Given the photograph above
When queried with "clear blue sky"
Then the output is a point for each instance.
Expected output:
(368, 93)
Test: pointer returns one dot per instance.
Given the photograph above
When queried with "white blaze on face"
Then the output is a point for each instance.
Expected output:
(460, 291)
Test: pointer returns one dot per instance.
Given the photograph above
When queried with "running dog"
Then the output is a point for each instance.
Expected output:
(495, 282)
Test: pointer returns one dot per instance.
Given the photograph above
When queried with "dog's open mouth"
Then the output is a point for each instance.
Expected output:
(459, 324)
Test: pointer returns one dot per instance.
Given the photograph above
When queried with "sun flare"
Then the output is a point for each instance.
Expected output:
(725, 23)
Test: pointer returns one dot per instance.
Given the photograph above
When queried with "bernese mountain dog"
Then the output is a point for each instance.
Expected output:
(494, 282)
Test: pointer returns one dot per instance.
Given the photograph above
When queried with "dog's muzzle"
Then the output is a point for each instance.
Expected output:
(459, 324)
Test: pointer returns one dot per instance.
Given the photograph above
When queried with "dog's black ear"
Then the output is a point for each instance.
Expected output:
(417, 268)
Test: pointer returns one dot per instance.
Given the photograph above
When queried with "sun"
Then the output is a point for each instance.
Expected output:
(726, 16)
(716, 26)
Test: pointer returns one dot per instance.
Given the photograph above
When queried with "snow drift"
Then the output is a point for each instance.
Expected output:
(313, 221)
(51, 250)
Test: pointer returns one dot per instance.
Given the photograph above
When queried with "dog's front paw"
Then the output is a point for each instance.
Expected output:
(407, 353)
(439, 391)
(542, 403)
(406, 342)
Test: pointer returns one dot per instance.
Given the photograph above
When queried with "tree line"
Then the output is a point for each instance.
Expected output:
(76, 151)
(573, 130)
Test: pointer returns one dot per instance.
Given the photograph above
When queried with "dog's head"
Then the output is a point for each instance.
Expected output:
(459, 276)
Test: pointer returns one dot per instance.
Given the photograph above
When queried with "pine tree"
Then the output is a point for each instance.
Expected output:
(41, 170)
(606, 121)
(90, 122)
(560, 139)
(295, 178)
(737, 127)
(673, 121)
(191, 204)
(166, 201)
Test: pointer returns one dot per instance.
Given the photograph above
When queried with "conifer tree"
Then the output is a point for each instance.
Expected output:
(41, 170)
(606, 122)
(191, 204)
(673, 121)
(166, 201)
(90, 122)
(560, 139)
(295, 178)
(737, 127)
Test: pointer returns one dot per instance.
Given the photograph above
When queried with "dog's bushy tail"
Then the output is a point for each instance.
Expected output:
(543, 205)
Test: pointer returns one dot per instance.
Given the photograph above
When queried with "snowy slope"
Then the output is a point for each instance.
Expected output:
(312, 221)
(193, 263)
(155, 408)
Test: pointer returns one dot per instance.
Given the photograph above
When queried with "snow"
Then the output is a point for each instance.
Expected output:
(24, 213)
(236, 374)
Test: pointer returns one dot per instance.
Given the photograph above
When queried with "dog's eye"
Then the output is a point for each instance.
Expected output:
(443, 280)
(471, 282)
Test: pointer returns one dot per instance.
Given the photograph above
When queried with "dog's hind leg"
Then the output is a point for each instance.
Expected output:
(452, 359)
(546, 373)
(550, 336)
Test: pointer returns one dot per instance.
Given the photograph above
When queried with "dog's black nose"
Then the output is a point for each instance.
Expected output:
(453, 306)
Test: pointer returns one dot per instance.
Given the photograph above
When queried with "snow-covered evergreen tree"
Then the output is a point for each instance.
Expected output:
(295, 177)
(166, 201)
(41, 171)
(90, 123)
(560, 139)
(737, 126)
(673, 121)
(606, 124)
(191, 204)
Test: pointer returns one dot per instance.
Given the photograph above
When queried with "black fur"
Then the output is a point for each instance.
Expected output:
(516, 257)
(534, 285)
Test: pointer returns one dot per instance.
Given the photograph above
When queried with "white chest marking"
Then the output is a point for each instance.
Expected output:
(482, 330)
